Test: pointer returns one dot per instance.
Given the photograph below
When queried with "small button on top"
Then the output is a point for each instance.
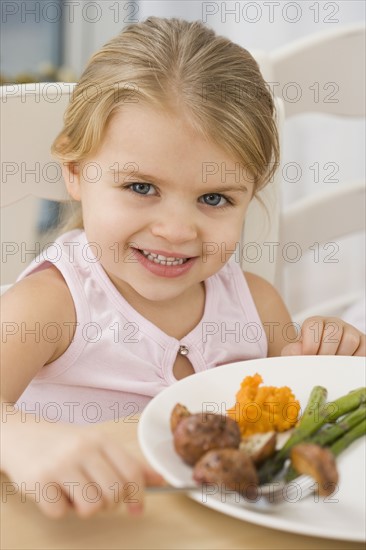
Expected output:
(183, 350)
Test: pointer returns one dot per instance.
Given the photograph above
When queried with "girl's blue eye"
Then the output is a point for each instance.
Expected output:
(210, 199)
(141, 188)
(214, 199)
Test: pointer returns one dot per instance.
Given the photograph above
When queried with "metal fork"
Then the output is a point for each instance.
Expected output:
(266, 495)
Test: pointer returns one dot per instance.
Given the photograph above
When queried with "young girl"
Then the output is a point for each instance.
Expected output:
(143, 289)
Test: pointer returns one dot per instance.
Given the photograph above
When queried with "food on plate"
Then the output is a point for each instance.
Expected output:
(349, 437)
(259, 446)
(260, 409)
(198, 433)
(221, 451)
(231, 468)
(317, 462)
(338, 436)
(316, 414)
(309, 422)
(178, 413)
(332, 432)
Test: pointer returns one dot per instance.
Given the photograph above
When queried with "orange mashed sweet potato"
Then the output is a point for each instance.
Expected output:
(264, 409)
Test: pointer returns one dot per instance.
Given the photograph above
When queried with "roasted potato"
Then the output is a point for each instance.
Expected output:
(178, 413)
(232, 469)
(198, 433)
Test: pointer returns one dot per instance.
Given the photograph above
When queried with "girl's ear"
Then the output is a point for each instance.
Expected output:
(71, 174)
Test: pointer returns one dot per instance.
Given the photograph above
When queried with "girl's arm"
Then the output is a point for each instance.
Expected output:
(38, 301)
(327, 336)
(37, 453)
(317, 335)
(273, 313)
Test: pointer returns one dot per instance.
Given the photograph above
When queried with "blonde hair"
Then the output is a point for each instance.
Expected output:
(173, 64)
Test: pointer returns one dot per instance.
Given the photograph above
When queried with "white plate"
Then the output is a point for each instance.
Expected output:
(341, 516)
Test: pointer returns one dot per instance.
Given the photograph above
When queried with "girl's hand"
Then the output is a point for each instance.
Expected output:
(64, 467)
(327, 336)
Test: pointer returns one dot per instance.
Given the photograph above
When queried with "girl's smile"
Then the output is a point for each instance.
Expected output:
(164, 265)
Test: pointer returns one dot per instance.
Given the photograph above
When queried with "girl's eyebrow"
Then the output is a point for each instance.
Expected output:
(238, 189)
(140, 175)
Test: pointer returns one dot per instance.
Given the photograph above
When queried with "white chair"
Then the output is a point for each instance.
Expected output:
(31, 117)
(333, 64)
(336, 58)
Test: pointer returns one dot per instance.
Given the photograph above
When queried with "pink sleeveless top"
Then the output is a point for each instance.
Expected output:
(118, 360)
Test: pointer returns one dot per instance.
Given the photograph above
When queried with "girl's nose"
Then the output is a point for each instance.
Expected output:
(175, 226)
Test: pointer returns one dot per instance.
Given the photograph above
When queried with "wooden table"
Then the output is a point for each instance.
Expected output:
(169, 522)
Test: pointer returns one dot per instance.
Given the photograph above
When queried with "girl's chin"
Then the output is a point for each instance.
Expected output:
(153, 295)
(150, 292)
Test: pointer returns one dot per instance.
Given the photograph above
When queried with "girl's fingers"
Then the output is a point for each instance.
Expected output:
(104, 476)
(81, 491)
(292, 349)
(353, 342)
(332, 337)
(321, 336)
(130, 471)
(107, 480)
(53, 502)
(60, 494)
(311, 335)
(361, 350)
(153, 478)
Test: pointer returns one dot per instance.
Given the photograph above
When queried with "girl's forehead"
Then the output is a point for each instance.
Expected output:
(141, 128)
(143, 116)
(160, 147)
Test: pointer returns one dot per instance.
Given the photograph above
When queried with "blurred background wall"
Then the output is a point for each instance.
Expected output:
(52, 40)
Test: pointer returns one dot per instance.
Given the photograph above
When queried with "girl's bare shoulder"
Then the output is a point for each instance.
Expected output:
(45, 289)
(37, 313)
(264, 294)
(272, 312)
